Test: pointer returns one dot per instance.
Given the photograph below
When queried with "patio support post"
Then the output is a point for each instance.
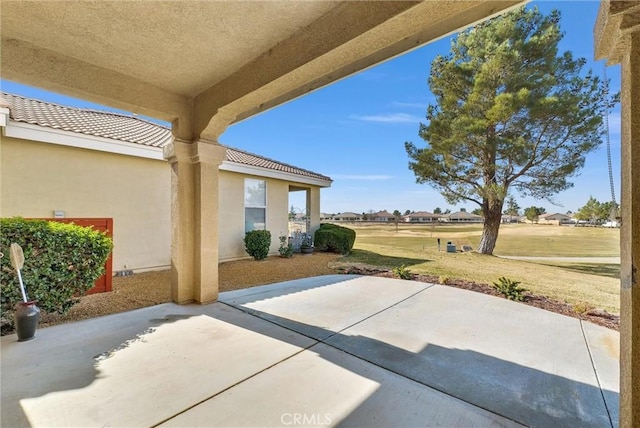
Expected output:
(313, 208)
(617, 38)
(194, 219)
(630, 239)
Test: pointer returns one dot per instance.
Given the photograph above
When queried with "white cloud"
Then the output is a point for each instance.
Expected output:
(389, 118)
(360, 177)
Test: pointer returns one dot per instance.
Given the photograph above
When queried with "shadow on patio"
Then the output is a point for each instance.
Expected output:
(337, 350)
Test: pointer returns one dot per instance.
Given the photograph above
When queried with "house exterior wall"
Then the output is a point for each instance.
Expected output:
(555, 219)
(549, 222)
(409, 219)
(465, 219)
(38, 178)
(231, 212)
(347, 217)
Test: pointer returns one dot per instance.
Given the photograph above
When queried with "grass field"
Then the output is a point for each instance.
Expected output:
(416, 247)
(514, 239)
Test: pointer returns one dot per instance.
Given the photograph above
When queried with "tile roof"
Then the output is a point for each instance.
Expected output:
(96, 123)
(245, 158)
(420, 214)
(348, 214)
(464, 214)
(122, 127)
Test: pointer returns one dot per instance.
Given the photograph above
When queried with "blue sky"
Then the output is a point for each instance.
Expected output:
(354, 130)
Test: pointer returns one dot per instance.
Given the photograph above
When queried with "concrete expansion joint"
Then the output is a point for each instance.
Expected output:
(233, 385)
(316, 341)
(595, 371)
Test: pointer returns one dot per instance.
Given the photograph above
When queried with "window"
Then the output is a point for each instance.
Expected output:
(255, 204)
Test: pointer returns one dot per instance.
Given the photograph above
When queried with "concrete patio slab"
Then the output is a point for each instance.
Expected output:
(164, 359)
(336, 389)
(491, 352)
(605, 353)
(326, 305)
(521, 362)
(392, 353)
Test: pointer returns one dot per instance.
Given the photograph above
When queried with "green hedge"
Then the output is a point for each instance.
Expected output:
(61, 262)
(257, 243)
(334, 238)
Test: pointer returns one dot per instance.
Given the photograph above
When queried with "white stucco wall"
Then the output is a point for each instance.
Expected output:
(37, 178)
(231, 212)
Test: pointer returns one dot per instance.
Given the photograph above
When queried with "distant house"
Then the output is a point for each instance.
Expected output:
(348, 216)
(421, 217)
(80, 163)
(383, 216)
(506, 218)
(555, 218)
(461, 217)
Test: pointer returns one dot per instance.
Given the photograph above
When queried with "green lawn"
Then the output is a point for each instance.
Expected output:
(416, 248)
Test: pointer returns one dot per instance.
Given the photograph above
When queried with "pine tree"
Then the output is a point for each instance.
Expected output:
(510, 113)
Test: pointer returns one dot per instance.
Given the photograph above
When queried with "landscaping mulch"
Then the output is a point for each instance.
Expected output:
(153, 288)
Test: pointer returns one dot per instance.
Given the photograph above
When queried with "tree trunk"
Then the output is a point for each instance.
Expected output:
(492, 220)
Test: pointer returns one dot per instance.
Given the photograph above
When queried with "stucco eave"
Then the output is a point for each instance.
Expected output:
(4, 116)
(30, 132)
(615, 22)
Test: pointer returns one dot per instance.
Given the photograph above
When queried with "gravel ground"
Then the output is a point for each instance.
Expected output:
(153, 288)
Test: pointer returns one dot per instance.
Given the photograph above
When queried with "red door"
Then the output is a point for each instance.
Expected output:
(103, 283)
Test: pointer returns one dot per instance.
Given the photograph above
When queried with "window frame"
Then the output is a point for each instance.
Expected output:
(253, 206)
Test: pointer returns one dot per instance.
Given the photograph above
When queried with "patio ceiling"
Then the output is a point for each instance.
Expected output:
(198, 60)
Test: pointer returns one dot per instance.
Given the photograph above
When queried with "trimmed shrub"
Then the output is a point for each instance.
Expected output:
(257, 243)
(61, 262)
(334, 238)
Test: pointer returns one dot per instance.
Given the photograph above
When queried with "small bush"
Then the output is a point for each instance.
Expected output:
(286, 248)
(401, 272)
(443, 279)
(257, 243)
(582, 307)
(334, 238)
(61, 262)
(509, 288)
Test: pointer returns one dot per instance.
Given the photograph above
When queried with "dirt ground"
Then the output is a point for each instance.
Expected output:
(152, 288)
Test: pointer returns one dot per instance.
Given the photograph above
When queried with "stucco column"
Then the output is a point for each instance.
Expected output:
(630, 238)
(617, 39)
(313, 208)
(194, 219)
